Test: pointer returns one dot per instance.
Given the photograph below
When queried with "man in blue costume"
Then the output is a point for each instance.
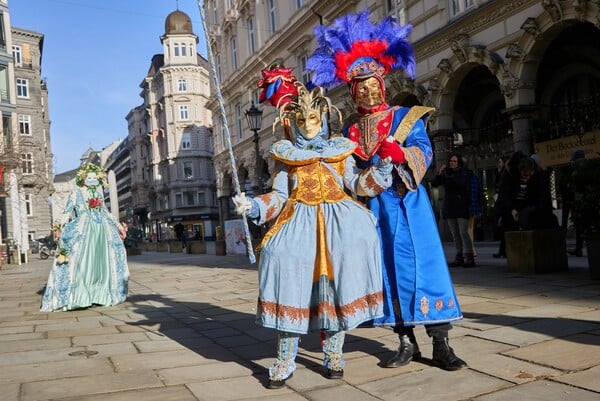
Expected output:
(417, 286)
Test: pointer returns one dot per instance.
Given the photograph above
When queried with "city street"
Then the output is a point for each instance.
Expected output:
(187, 333)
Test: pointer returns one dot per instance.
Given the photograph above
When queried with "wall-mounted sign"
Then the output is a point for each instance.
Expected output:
(559, 151)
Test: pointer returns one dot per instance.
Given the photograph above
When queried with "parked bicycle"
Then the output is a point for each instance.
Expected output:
(47, 246)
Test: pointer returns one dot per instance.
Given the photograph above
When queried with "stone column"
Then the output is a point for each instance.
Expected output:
(441, 141)
(521, 120)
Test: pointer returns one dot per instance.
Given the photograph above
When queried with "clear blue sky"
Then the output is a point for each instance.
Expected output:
(96, 53)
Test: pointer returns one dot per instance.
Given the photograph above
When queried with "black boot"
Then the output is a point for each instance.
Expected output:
(443, 355)
(469, 260)
(407, 351)
(459, 260)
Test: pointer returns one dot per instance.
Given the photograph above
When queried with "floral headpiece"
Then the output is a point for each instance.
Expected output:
(87, 168)
(353, 47)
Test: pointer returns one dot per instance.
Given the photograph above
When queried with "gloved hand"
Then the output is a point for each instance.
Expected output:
(242, 204)
(390, 148)
(384, 166)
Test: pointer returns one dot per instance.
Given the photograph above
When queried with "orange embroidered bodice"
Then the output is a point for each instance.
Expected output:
(317, 183)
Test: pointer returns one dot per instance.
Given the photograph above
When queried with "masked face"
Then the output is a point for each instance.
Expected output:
(91, 180)
(368, 93)
(309, 125)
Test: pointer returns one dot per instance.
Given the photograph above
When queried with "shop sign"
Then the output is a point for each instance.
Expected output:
(559, 151)
(194, 217)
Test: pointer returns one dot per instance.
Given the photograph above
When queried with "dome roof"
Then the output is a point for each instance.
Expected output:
(178, 22)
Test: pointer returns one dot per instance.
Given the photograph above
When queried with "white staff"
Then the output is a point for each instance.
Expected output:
(236, 182)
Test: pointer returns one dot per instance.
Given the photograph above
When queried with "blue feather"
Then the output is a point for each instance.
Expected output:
(348, 29)
(272, 88)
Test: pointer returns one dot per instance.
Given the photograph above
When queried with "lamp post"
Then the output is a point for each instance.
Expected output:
(254, 118)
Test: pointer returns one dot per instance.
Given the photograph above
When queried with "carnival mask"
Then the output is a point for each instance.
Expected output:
(309, 125)
(91, 180)
(368, 93)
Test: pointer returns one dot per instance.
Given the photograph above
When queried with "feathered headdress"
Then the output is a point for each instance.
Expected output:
(352, 46)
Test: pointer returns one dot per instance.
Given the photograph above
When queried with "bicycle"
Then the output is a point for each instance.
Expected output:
(47, 248)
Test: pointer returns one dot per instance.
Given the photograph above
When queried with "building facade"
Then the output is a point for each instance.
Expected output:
(170, 148)
(8, 107)
(25, 149)
(119, 162)
(32, 139)
(502, 76)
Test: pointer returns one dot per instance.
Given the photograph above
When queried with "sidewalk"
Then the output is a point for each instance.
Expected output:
(187, 332)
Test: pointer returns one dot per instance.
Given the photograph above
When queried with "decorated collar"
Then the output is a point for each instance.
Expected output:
(337, 147)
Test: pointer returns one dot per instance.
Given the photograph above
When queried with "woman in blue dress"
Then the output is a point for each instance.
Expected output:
(90, 266)
(315, 273)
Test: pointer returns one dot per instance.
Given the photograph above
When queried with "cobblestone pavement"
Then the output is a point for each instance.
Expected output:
(187, 332)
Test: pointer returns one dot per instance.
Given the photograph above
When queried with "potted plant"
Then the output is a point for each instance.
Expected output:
(586, 208)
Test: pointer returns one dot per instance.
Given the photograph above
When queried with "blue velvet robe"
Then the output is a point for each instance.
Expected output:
(417, 286)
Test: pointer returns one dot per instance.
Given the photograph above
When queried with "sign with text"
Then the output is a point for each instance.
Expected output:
(559, 151)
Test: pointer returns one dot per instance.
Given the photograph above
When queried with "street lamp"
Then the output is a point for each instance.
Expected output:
(254, 118)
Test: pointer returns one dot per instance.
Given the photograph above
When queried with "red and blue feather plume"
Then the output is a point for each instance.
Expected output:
(352, 46)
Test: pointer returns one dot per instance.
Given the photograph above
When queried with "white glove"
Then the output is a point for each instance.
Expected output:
(242, 204)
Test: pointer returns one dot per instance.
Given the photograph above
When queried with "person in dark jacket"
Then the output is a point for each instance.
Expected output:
(567, 192)
(525, 195)
(456, 180)
(498, 175)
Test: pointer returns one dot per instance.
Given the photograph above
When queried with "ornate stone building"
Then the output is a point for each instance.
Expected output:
(170, 151)
(32, 140)
(502, 75)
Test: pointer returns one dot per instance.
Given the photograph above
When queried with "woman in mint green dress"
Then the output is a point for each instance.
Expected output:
(90, 266)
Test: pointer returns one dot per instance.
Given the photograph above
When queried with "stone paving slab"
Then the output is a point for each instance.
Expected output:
(101, 330)
(10, 391)
(430, 385)
(95, 384)
(484, 321)
(17, 329)
(212, 371)
(489, 308)
(35, 344)
(536, 331)
(172, 393)
(55, 370)
(587, 379)
(168, 359)
(108, 339)
(113, 349)
(36, 356)
(157, 346)
(591, 316)
(511, 369)
(576, 352)
(239, 388)
(541, 391)
(20, 337)
(367, 369)
(342, 392)
(549, 311)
